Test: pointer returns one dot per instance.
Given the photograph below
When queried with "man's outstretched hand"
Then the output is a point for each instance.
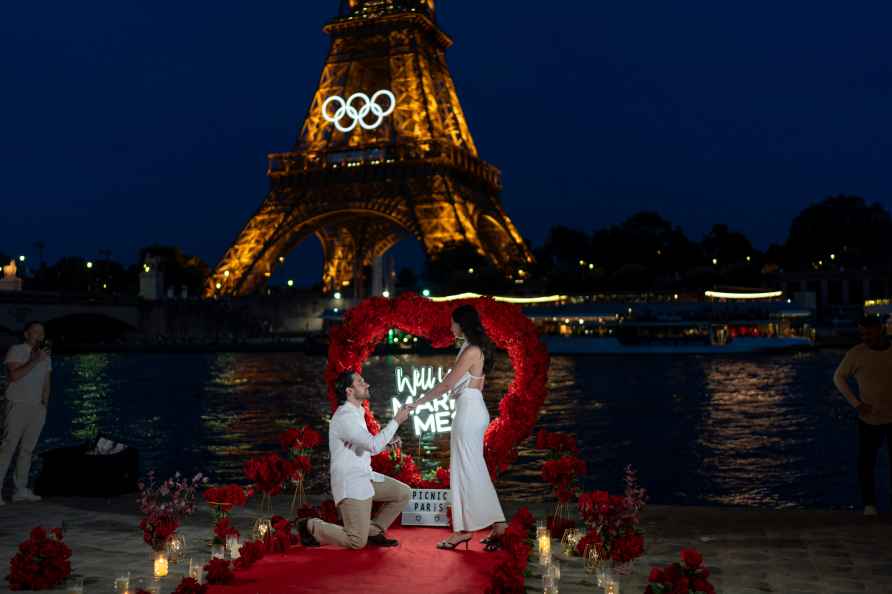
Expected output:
(396, 443)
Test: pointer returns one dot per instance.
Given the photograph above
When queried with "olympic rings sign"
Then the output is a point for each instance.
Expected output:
(347, 110)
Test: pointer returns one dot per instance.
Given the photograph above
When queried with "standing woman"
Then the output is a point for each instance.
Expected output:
(475, 504)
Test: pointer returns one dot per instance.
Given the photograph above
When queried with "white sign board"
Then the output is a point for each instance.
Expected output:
(428, 507)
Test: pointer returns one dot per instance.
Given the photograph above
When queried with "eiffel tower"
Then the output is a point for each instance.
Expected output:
(385, 153)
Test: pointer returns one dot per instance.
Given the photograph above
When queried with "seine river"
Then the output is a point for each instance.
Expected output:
(761, 431)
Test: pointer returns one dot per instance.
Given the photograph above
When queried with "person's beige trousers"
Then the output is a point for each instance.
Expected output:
(24, 422)
(356, 515)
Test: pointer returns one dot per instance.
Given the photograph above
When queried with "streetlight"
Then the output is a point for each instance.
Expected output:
(426, 293)
(89, 264)
(290, 283)
(22, 258)
(470, 271)
(337, 295)
(386, 294)
(715, 261)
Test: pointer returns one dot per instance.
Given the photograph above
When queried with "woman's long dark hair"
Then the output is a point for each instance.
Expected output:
(468, 320)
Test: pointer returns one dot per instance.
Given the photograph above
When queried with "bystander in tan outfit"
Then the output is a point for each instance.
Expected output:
(870, 364)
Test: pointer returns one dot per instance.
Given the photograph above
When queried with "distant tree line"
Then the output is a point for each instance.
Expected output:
(644, 252)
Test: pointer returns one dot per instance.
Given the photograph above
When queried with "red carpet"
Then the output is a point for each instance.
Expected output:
(414, 567)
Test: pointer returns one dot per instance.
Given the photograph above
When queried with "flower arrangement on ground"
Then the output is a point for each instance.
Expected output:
(508, 576)
(299, 445)
(219, 572)
(222, 501)
(690, 576)
(268, 473)
(281, 538)
(41, 563)
(562, 470)
(165, 505)
(613, 523)
(190, 585)
(249, 553)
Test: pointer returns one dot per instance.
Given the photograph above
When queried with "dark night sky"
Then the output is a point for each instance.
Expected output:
(126, 123)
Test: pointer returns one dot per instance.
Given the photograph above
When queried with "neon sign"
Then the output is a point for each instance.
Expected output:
(431, 417)
(346, 110)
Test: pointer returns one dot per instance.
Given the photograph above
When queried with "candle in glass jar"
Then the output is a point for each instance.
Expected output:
(544, 548)
(611, 587)
(232, 546)
(160, 565)
(122, 584)
(196, 571)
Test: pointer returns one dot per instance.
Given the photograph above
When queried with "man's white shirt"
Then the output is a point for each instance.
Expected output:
(29, 388)
(352, 447)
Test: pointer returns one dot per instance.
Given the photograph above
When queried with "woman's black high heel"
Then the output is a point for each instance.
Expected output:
(450, 546)
(494, 544)
(493, 537)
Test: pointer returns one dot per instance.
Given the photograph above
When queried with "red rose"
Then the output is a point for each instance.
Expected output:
(41, 563)
(219, 572)
(443, 477)
(656, 575)
(681, 586)
(310, 438)
(672, 573)
(229, 496)
(249, 553)
(268, 473)
(224, 528)
(328, 511)
(190, 586)
(692, 558)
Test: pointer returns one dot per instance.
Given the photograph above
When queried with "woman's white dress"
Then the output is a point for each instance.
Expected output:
(475, 504)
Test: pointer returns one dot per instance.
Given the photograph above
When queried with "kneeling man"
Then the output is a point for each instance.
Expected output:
(353, 484)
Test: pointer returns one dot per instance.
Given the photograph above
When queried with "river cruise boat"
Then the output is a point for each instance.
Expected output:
(674, 327)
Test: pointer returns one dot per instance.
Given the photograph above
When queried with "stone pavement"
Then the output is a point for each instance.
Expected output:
(748, 551)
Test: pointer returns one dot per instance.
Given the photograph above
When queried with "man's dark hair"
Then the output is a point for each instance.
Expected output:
(344, 381)
(30, 325)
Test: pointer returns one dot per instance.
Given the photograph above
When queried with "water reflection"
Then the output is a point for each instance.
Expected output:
(766, 431)
(92, 401)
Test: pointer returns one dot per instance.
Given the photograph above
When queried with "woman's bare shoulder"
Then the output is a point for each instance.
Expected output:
(472, 350)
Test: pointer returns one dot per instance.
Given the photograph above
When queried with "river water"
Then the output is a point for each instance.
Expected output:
(760, 431)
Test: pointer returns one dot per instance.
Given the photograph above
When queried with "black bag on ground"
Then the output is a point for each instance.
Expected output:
(73, 471)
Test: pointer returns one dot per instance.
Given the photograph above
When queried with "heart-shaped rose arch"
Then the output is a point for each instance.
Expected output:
(366, 325)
